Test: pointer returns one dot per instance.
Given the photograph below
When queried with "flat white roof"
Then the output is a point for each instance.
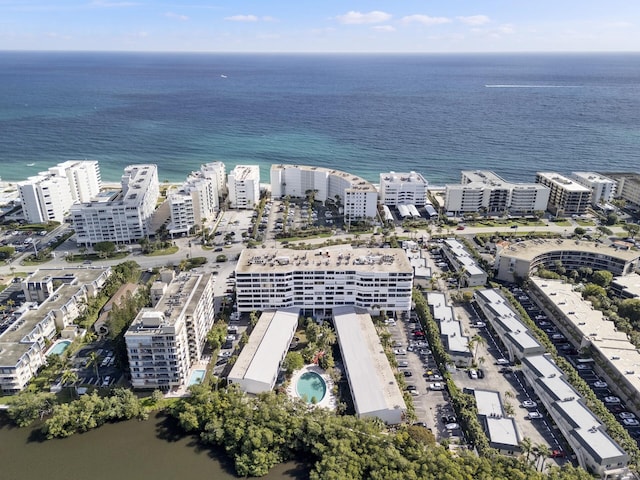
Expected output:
(542, 365)
(373, 384)
(629, 284)
(463, 257)
(621, 354)
(449, 326)
(501, 430)
(260, 358)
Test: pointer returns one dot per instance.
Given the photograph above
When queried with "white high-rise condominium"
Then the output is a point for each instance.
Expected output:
(244, 186)
(197, 200)
(403, 189)
(123, 217)
(49, 195)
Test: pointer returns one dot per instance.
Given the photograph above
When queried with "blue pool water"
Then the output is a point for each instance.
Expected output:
(59, 347)
(196, 377)
(311, 385)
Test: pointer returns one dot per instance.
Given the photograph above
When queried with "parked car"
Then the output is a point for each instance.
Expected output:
(403, 363)
(529, 404)
(600, 384)
(400, 351)
(407, 373)
(436, 386)
(479, 324)
(106, 381)
(626, 415)
(612, 400)
(473, 374)
(558, 454)
(434, 378)
(452, 426)
(411, 387)
(502, 361)
(534, 415)
(630, 422)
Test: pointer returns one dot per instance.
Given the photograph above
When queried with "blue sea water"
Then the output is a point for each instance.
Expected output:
(436, 114)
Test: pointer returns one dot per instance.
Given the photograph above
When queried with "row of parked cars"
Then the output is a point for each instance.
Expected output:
(584, 366)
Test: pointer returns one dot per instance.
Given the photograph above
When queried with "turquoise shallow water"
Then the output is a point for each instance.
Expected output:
(311, 385)
(436, 114)
(59, 347)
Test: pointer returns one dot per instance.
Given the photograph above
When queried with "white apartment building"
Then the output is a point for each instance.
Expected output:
(196, 200)
(317, 281)
(602, 188)
(628, 187)
(482, 191)
(357, 197)
(84, 178)
(373, 385)
(463, 261)
(49, 195)
(54, 299)
(123, 217)
(403, 189)
(256, 369)
(452, 333)
(243, 184)
(566, 197)
(163, 342)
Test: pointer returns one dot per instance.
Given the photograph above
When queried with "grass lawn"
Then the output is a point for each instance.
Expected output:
(29, 263)
(94, 257)
(165, 251)
(561, 223)
(585, 223)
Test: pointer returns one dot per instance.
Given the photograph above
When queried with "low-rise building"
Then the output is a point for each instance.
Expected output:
(403, 189)
(514, 334)
(616, 358)
(519, 260)
(595, 450)
(122, 217)
(54, 299)
(316, 281)
(163, 342)
(500, 429)
(357, 197)
(452, 334)
(566, 197)
(627, 286)
(373, 385)
(243, 184)
(471, 275)
(256, 369)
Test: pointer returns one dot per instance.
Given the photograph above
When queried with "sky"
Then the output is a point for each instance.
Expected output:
(432, 26)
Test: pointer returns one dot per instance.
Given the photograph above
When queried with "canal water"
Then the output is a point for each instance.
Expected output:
(151, 449)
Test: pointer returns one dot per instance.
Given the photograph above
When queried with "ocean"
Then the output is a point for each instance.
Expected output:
(366, 114)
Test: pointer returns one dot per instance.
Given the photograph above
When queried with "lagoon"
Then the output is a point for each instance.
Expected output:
(151, 449)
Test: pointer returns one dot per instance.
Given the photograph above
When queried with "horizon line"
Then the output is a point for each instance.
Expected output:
(232, 52)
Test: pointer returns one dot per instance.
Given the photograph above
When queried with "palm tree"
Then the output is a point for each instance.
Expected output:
(69, 378)
(527, 447)
(476, 341)
(543, 453)
(93, 361)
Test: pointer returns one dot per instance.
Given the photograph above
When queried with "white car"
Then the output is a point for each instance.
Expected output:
(502, 361)
(452, 426)
(436, 386)
(612, 400)
(529, 404)
(600, 384)
(225, 354)
(400, 351)
(106, 381)
(534, 415)
(630, 422)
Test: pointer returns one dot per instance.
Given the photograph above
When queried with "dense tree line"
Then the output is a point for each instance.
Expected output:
(91, 411)
(260, 432)
(65, 419)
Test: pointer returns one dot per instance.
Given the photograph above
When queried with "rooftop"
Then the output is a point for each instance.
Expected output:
(564, 182)
(373, 384)
(340, 258)
(260, 358)
(357, 183)
(530, 249)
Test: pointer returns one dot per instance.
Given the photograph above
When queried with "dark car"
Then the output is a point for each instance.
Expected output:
(407, 373)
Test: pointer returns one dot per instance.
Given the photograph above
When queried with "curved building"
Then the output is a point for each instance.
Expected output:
(519, 260)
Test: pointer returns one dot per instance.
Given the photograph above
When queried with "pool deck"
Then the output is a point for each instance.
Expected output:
(53, 347)
(183, 390)
(329, 401)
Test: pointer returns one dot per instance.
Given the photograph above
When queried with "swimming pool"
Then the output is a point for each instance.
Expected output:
(311, 387)
(196, 377)
(59, 347)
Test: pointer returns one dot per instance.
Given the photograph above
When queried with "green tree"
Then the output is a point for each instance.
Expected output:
(93, 360)
(292, 362)
(26, 407)
(593, 290)
(632, 229)
(69, 379)
(602, 278)
(630, 308)
(105, 249)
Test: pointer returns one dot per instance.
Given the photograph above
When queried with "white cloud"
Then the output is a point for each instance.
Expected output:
(507, 29)
(621, 24)
(359, 18)
(383, 28)
(176, 16)
(474, 20)
(242, 18)
(425, 20)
